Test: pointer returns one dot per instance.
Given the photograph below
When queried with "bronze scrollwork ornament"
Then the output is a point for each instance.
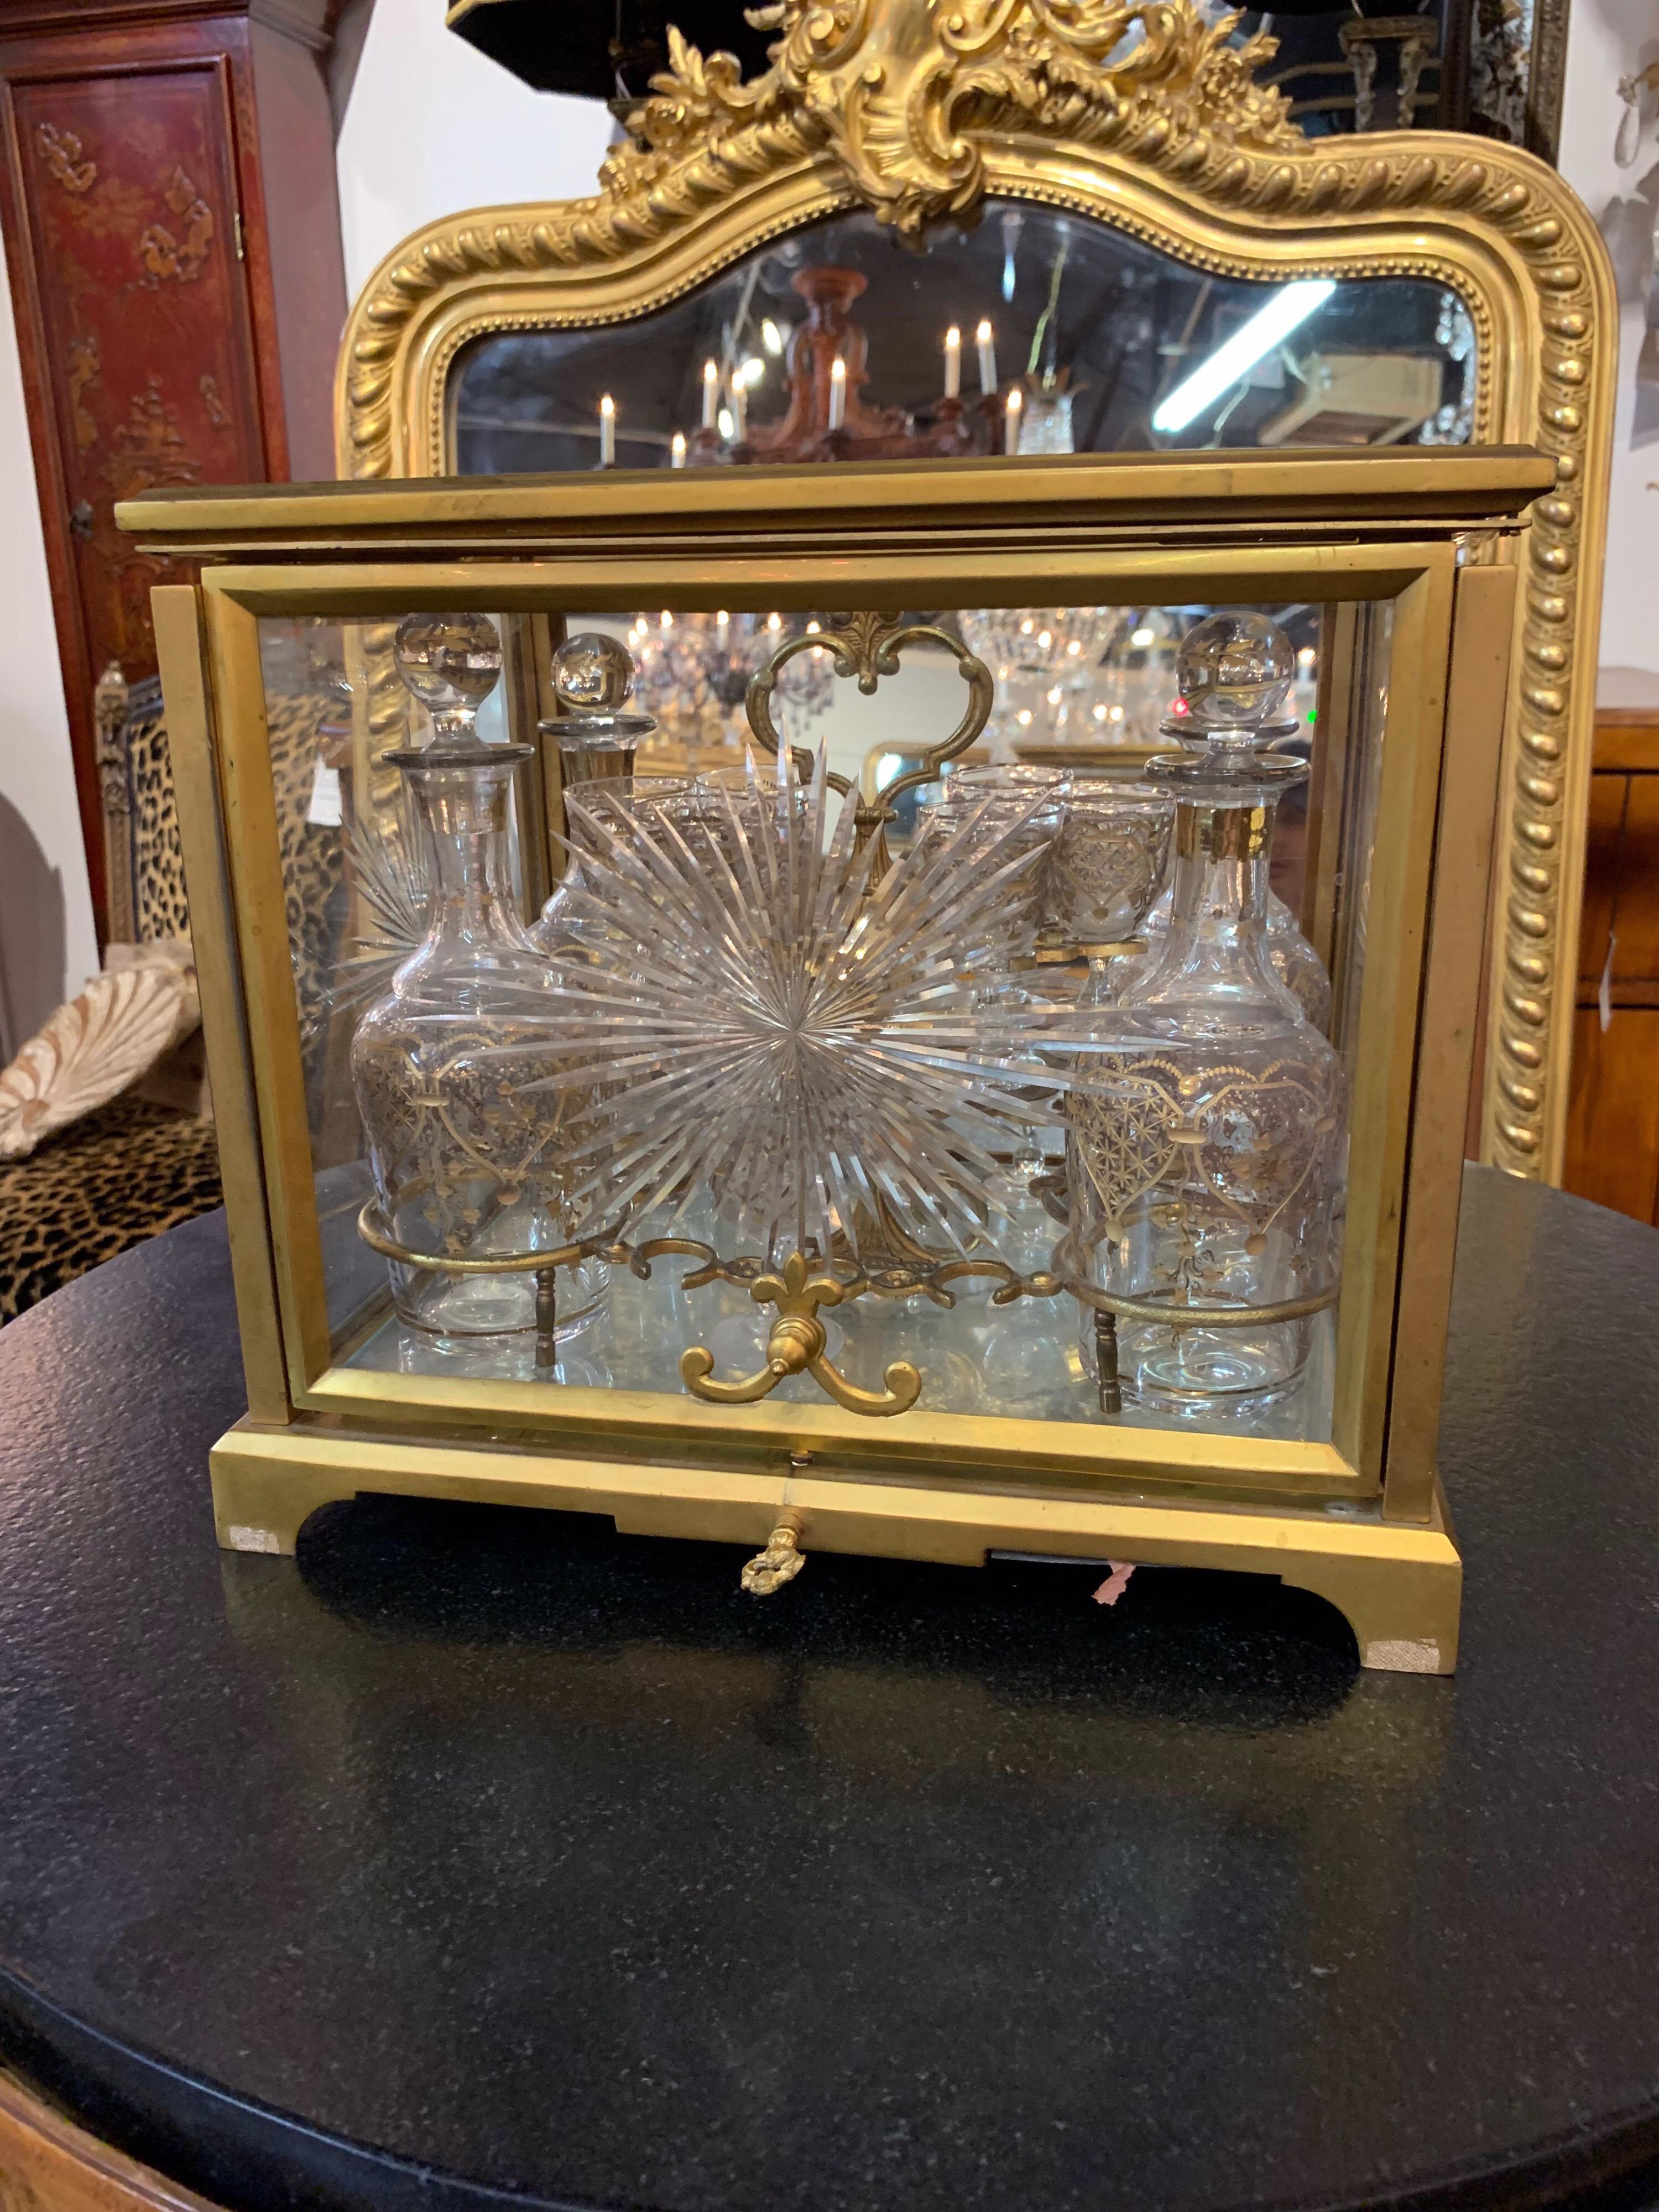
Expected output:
(1145, 118)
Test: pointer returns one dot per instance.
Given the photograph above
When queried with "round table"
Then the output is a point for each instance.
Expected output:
(478, 1852)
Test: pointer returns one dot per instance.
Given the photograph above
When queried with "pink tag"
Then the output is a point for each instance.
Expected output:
(1116, 1583)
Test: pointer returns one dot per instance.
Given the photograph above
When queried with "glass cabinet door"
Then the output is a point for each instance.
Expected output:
(713, 995)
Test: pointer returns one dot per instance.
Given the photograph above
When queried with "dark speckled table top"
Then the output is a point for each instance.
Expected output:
(482, 1853)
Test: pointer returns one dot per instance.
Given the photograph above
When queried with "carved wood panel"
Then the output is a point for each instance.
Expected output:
(130, 200)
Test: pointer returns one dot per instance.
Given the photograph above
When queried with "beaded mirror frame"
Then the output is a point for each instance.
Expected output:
(1146, 118)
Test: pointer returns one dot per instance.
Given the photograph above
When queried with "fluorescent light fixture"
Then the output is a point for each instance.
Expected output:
(1291, 306)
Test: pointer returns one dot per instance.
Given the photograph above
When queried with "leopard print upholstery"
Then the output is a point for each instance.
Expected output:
(312, 867)
(158, 865)
(133, 1169)
(313, 870)
(122, 1174)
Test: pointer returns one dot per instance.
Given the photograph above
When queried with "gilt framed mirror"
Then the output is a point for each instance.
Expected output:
(1135, 248)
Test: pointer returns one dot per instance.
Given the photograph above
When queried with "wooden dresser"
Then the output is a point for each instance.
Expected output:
(1612, 1132)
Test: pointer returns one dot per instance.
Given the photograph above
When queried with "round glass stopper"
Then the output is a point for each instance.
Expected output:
(593, 672)
(451, 663)
(1235, 672)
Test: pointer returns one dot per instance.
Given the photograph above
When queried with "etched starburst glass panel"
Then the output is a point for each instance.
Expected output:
(802, 1042)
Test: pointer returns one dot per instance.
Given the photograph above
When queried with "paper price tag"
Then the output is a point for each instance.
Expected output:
(324, 807)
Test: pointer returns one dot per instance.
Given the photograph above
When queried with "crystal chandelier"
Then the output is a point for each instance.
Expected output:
(693, 670)
(1045, 663)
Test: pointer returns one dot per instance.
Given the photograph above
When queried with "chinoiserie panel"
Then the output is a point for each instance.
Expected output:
(130, 193)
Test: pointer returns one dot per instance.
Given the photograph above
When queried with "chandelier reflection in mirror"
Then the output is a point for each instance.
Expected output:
(740, 1034)
(693, 672)
(1097, 338)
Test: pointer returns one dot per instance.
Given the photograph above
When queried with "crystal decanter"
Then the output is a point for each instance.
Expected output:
(457, 1067)
(1296, 964)
(597, 737)
(1206, 1145)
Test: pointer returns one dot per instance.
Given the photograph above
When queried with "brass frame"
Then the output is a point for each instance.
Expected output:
(919, 112)
(930, 1483)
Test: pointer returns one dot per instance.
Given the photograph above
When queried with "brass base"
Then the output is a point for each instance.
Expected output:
(1399, 1586)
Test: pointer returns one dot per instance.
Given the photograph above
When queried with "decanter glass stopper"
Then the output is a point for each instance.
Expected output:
(451, 663)
(594, 679)
(593, 673)
(1233, 673)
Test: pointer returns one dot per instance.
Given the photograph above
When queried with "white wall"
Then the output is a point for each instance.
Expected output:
(434, 126)
(47, 947)
(1607, 39)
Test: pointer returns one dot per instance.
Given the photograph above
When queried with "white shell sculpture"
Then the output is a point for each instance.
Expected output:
(91, 1049)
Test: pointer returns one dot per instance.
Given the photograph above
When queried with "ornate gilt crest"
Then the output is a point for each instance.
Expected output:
(905, 99)
(1143, 117)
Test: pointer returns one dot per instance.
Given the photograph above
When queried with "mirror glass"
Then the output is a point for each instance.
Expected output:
(1103, 346)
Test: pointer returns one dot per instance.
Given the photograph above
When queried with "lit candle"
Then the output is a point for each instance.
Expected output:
(676, 451)
(711, 393)
(953, 364)
(740, 407)
(1010, 443)
(837, 392)
(988, 358)
(607, 432)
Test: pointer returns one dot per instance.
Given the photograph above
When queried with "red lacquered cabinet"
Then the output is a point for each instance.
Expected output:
(172, 240)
